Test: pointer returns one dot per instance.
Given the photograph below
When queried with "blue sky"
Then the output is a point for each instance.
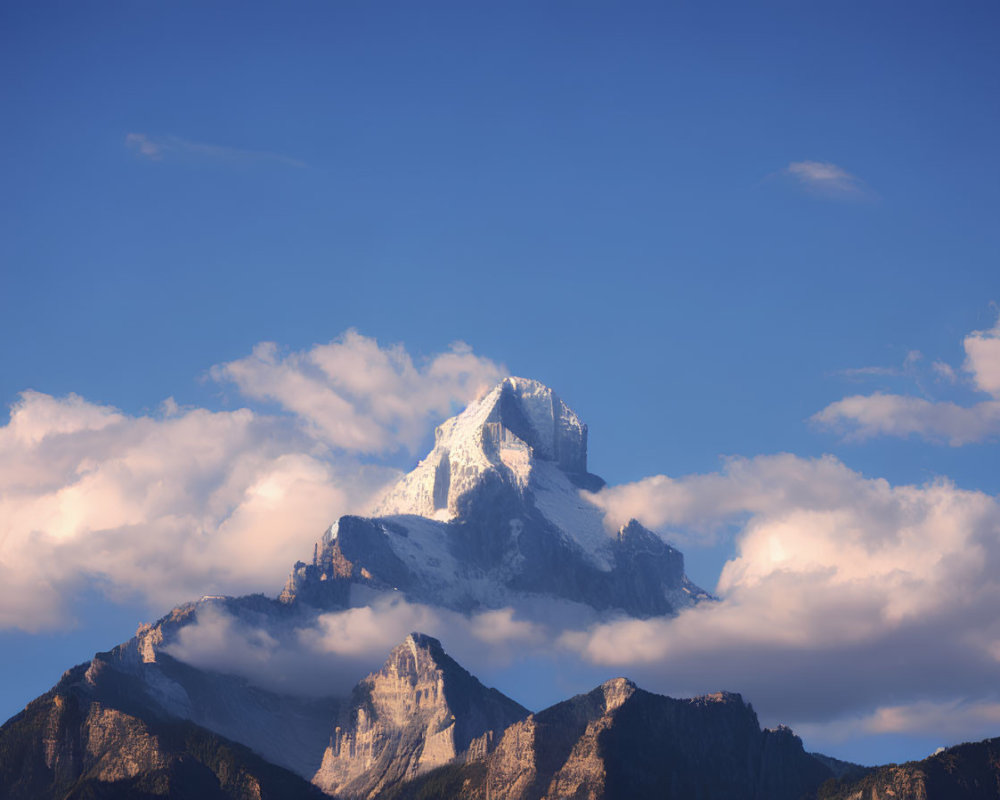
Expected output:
(696, 222)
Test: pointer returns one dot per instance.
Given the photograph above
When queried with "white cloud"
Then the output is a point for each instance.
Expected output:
(950, 718)
(879, 414)
(825, 178)
(156, 148)
(944, 371)
(353, 394)
(861, 417)
(982, 359)
(170, 506)
(161, 508)
(844, 592)
(949, 721)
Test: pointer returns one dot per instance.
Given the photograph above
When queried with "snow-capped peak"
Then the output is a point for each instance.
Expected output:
(518, 423)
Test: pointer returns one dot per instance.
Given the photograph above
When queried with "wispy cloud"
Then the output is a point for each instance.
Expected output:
(882, 414)
(908, 367)
(157, 148)
(825, 178)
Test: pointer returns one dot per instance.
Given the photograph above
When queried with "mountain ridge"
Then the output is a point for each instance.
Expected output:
(492, 517)
(419, 716)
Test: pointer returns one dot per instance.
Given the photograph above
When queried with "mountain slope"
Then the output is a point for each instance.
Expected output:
(70, 744)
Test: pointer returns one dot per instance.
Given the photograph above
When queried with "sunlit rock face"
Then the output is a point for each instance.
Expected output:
(495, 514)
(421, 710)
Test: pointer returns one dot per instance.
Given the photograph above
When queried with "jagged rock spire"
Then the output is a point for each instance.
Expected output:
(518, 422)
(419, 711)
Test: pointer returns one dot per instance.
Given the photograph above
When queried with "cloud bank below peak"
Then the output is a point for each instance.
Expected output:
(844, 592)
(850, 607)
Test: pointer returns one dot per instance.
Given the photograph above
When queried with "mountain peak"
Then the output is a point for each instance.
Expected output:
(417, 655)
(421, 710)
(504, 434)
(616, 691)
(421, 641)
(495, 514)
(537, 416)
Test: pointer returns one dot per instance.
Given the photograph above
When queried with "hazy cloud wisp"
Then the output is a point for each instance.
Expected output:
(825, 178)
(882, 414)
(157, 148)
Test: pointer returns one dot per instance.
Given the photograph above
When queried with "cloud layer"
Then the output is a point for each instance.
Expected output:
(845, 593)
(330, 652)
(850, 607)
(168, 506)
(880, 414)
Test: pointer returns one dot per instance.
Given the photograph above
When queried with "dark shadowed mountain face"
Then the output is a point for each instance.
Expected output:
(493, 514)
(966, 772)
(621, 742)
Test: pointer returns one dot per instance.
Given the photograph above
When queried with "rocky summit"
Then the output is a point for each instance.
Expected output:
(494, 515)
(420, 711)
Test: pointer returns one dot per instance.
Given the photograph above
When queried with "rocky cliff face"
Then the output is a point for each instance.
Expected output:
(420, 711)
(495, 514)
(621, 742)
